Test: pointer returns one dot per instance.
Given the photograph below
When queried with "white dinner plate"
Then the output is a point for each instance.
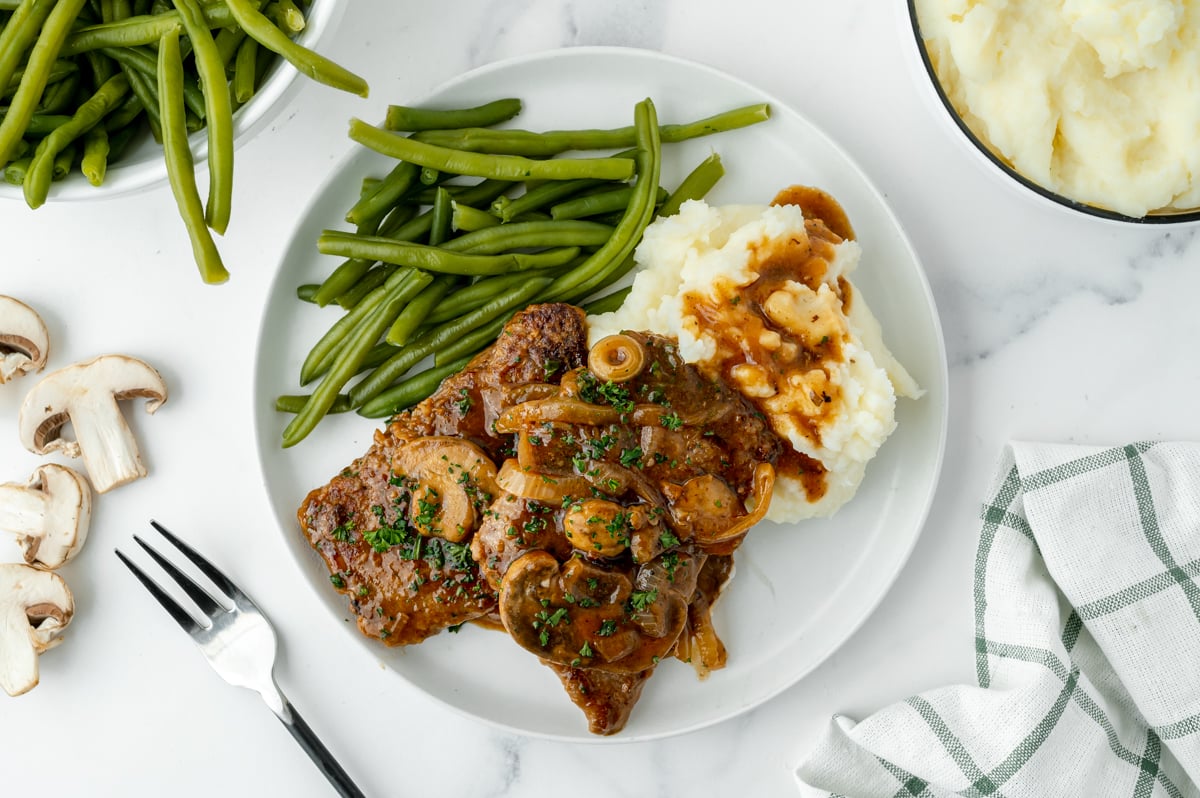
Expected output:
(800, 590)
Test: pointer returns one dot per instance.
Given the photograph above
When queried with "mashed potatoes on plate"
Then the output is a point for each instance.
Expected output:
(759, 296)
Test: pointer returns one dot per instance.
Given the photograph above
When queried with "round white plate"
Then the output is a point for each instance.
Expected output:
(799, 590)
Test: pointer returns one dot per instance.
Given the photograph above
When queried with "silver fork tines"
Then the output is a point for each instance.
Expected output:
(236, 638)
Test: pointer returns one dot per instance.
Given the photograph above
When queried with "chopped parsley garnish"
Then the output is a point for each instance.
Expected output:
(641, 599)
(337, 581)
(671, 421)
(668, 539)
(631, 457)
(551, 367)
(343, 531)
(607, 628)
(671, 562)
(385, 537)
(463, 404)
(585, 650)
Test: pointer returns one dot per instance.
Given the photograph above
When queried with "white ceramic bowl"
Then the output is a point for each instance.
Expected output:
(142, 165)
(1002, 168)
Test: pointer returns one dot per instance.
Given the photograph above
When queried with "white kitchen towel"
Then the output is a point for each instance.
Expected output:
(1087, 644)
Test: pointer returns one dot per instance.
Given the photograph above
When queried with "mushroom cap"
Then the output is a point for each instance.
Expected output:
(50, 514)
(35, 608)
(456, 480)
(24, 339)
(100, 381)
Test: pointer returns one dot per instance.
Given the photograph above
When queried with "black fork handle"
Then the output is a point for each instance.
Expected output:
(319, 754)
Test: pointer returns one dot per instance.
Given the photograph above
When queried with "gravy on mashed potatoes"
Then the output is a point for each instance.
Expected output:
(1096, 100)
(759, 297)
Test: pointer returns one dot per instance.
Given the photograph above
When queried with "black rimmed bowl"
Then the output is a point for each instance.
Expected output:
(997, 163)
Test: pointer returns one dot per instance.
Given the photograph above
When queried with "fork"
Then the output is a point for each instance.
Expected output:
(239, 643)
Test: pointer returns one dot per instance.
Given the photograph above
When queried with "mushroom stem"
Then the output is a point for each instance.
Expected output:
(35, 607)
(110, 452)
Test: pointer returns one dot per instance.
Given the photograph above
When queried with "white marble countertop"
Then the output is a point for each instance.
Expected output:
(1057, 328)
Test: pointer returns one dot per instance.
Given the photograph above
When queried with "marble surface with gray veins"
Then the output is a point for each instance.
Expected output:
(1057, 327)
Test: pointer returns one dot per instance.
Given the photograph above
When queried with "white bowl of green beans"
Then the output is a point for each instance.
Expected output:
(90, 71)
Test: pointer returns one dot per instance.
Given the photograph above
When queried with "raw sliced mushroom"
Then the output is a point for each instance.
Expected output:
(49, 514)
(35, 608)
(579, 615)
(24, 340)
(453, 480)
(86, 394)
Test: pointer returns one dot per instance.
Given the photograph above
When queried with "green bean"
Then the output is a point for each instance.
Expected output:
(417, 387)
(321, 355)
(400, 117)
(473, 341)
(118, 141)
(345, 276)
(641, 209)
(179, 160)
(218, 114)
(502, 167)
(89, 114)
(59, 71)
(430, 177)
(294, 403)
(244, 70)
(59, 97)
(469, 219)
(123, 116)
(145, 61)
(439, 225)
(469, 297)
(147, 95)
(14, 172)
(369, 394)
(94, 162)
(414, 314)
(695, 186)
(438, 259)
(63, 162)
(396, 218)
(374, 278)
(385, 196)
(102, 67)
(346, 364)
(547, 194)
(309, 63)
(287, 16)
(43, 124)
(554, 142)
(140, 29)
(518, 235)
(307, 292)
(607, 304)
(602, 202)
(18, 35)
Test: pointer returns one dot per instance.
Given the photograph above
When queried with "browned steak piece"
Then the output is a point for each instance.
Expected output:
(404, 587)
(605, 698)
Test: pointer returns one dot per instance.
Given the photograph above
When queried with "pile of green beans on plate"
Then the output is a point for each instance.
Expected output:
(81, 81)
(471, 225)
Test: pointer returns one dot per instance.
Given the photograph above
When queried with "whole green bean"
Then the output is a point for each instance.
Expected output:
(218, 114)
(306, 292)
(179, 160)
(439, 225)
(695, 186)
(147, 94)
(94, 162)
(607, 304)
(244, 67)
(345, 276)
(415, 312)
(508, 208)
(59, 97)
(18, 35)
(385, 196)
(61, 69)
(437, 259)
(374, 278)
(144, 60)
(286, 15)
(140, 29)
(118, 140)
(317, 67)
(473, 341)
(294, 403)
(396, 218)
(469, 297)
(89, 114)
(410, 355)
(554, 142)
(401, 117)
(122, 117)
(641, 209)
(43, 124)
(501, 167)
(599, 203)
(346, 365)
(468, 219)
(14, 172)
(321, 355)
(62, 162)
(518, 235)
(414, 389)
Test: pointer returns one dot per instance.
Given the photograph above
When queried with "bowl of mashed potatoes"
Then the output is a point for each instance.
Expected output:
(1093, 104)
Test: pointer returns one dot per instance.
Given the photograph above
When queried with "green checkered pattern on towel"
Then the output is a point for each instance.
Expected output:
(1087, 644)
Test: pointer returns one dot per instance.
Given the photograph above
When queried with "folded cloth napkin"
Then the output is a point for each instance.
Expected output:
(1087, 644)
